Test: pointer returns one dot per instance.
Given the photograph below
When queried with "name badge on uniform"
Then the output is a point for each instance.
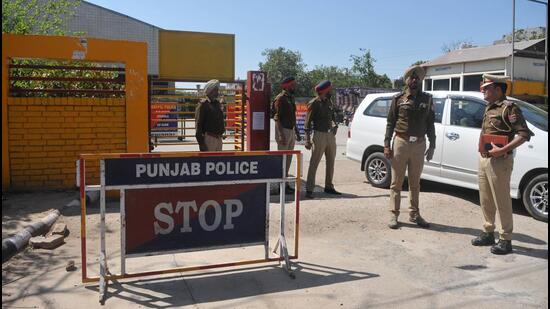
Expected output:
(413, 139)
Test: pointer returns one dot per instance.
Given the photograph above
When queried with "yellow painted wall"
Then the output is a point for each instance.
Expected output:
(135, 108)
(46, 136)
(527, 87)
(196, 56)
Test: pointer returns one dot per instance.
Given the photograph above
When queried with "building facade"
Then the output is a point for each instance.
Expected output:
(462, 69)
(98, 22)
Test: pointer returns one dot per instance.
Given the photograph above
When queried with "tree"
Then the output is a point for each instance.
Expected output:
(454, 45)
(281, 63)
(399, 83)
(340, 77)
(419, 62)
(37, 17)
(363, 68)
(526, 34)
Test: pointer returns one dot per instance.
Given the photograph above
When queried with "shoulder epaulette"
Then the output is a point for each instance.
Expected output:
(278, 96)
(398, 95)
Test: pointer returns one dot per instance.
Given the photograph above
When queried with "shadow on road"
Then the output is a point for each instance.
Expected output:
(532, 252)
(469, 195)
(178, 291)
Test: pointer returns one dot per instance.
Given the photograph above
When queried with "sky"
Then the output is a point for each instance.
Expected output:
(398, 33)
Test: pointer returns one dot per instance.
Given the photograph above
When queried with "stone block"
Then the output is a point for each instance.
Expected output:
(50, 242)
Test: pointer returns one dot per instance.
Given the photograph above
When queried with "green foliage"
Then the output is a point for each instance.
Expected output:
(526, 34)
(363, 68)
(419, 62)
(37, 17)
(63, 79)
(281, 62)
(340, 77)
(50, 17)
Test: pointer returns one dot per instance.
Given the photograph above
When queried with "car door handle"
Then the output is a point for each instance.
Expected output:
(452, 136)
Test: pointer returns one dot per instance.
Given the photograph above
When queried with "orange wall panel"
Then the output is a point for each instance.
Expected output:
(49, 118)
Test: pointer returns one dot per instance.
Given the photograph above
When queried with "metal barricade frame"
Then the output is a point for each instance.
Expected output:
(105, 275)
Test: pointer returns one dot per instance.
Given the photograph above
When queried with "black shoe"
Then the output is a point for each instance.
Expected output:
(484, 239)
(289, 190)
(503, 247)
(309, 194)
(332, 191)
(420, 221)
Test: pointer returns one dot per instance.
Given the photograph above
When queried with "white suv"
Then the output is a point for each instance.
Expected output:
(458, 117)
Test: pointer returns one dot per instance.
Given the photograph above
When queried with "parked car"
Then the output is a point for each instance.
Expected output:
(458, 118)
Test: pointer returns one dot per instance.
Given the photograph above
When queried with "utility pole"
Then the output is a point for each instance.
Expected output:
(513, 46)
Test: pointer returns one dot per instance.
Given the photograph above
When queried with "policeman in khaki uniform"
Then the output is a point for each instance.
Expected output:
(502, 117)
(320, 119)
(410, 118)
(286, 132)
(209, 119)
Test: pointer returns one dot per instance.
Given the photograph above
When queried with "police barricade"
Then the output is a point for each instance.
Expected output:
(167, 205)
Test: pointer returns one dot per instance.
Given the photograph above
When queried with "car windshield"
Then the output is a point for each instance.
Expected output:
(534, 115)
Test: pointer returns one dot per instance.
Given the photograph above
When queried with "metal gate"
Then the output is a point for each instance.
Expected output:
(172, 115)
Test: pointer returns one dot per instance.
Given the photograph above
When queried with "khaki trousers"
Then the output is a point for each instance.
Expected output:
(323, 143)
(406, 157)
(290, 139)
(494, 194)
(213, 143)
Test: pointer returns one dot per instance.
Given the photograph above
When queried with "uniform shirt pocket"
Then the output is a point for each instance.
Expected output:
(405, 110)
(496, 120)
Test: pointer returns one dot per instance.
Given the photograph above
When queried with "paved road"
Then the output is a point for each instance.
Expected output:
(348, 258)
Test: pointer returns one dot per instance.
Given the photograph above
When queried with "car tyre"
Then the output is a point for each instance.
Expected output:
(535, 197)
(378, 170)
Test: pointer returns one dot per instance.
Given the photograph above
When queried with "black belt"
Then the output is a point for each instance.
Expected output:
(214, 134)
